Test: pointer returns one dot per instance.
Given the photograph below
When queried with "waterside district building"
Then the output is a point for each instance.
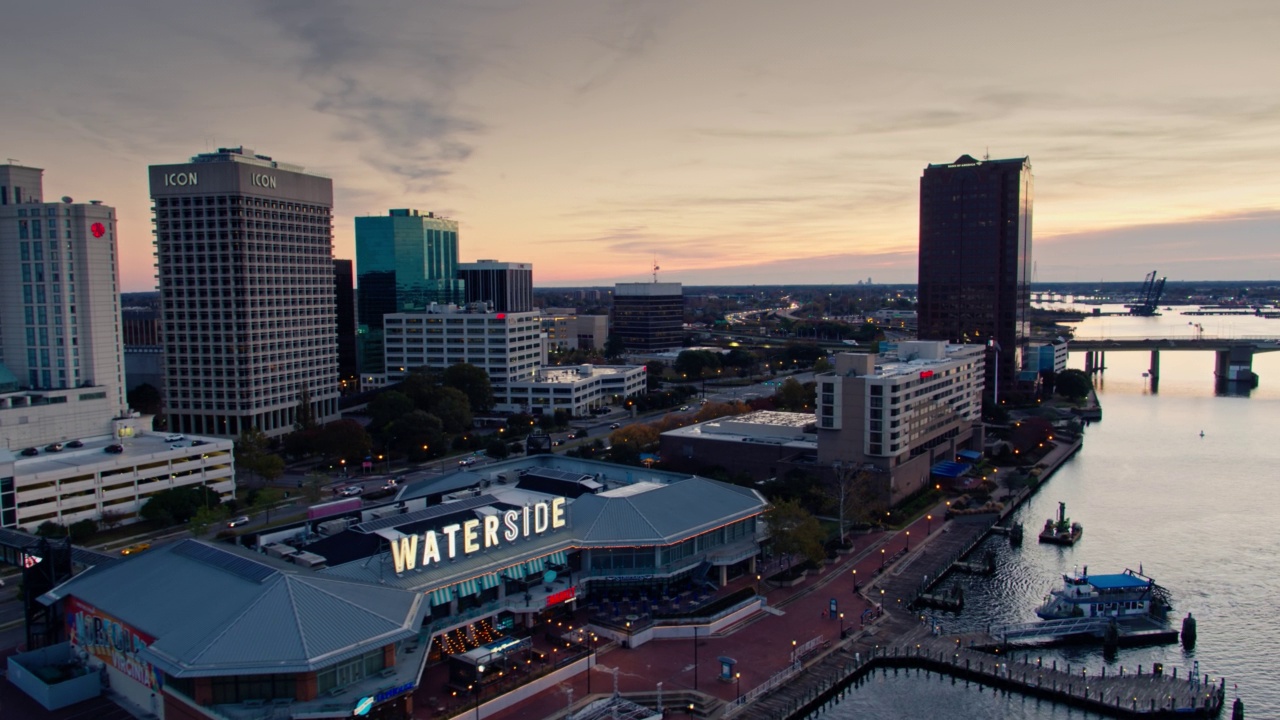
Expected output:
(440, 588)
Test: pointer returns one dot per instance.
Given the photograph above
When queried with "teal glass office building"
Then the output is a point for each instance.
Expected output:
(406, 261)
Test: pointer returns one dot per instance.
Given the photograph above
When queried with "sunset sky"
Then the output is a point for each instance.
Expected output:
(735, 141)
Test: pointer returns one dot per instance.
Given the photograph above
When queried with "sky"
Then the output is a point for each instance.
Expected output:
(729, 141)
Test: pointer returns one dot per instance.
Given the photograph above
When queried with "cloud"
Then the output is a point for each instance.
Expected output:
(391, 79)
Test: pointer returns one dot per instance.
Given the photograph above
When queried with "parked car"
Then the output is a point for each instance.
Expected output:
(53, 447)
(31, 451)
(237, 521)
(116, 449)
(174, 437)
(75, 444)
(135, 548)
(197, 443)
(351, 490)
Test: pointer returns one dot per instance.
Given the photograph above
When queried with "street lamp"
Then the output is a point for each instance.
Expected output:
(881, 558)
(908, 539)
(928, 527)
(842, 626)
(855, 580)
(591, 662)
(737, 680)
(479, 673)
(793, 651)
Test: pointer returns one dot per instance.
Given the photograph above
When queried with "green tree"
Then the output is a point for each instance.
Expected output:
(206, 517)
(82, 531)
(1073, 384)
(613, 347)
(794, 396)
(419, 434)
(175, 506)
(387, 407)
(795, 531)
(313, 486)
(266, 499)
(497, 449)
(51, 529)
(345, 439)
(453, 407)
(146, 399)
(473, 382)
(249, 450)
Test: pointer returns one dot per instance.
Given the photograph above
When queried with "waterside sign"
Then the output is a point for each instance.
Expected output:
(472, 536)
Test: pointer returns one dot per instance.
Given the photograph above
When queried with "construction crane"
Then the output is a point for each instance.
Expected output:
(1148, 300)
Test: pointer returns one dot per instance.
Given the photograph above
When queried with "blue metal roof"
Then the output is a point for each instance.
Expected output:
(949, 469)
(1122, 581)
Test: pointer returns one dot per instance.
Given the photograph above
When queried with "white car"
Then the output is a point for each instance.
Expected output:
(174, 437)
(466, 462)
(351, 490)
(237, 521)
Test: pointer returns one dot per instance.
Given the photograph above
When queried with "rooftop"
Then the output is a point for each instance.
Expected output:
(137, 448)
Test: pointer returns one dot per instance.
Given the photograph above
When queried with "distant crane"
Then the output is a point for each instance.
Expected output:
(1148, 297)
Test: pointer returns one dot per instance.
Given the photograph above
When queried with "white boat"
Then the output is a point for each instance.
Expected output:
(1124, 595)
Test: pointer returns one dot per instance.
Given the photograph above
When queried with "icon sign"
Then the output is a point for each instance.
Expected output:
(98, 229)
(363, 707)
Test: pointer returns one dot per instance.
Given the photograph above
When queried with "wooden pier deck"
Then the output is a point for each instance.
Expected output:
(1135, 694)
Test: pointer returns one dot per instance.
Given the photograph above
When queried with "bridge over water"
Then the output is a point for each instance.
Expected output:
(1234, 354)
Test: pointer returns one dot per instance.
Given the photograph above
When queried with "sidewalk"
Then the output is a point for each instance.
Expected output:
(762, 645)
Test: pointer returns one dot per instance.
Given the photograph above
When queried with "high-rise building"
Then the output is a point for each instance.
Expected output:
(345, 294)
(504, 286)
(648, 316)
(244, 249)
(406, 261)
(59, 315)
(975, 259)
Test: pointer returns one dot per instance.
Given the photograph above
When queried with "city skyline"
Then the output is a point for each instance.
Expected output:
(743, 143)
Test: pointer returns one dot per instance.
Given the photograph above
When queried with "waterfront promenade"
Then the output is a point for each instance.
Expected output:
(792, 658)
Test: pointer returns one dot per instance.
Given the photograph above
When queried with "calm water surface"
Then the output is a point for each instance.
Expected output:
(1201, 515)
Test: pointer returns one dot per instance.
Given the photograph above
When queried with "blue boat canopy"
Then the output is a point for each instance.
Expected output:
(1122, 581)
(949, 469)
(969, 455)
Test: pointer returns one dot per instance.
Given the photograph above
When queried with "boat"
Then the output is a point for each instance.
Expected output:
(1127, 595)
(1062, 532)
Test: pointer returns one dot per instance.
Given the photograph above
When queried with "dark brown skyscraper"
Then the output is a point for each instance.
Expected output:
(345, 294)
(975, 259)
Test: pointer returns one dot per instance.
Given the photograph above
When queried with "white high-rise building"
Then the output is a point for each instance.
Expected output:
(61, 360)
(244, 247)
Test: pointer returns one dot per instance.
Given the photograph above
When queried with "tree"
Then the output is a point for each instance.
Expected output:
(270, 468)
(795, 531)
(497, 449)
(345, 439)
(387, 407)
(453, 407)
(305, 417)
(794, 396)
(1073, 384)
(110, 519)
(51, 529)
(146, 399)
(473, 382)
(267, 498)
(177, 505)
(313, 487)
(250, 447)
(694, 363)
(206, 517)
(613, 347)
(418, 434)
(638, 437)
(81, 531)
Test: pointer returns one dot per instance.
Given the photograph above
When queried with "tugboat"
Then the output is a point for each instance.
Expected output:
(1128, 595)
(1062, 532)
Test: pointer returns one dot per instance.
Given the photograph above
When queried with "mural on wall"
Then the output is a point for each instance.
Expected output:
(111, 641)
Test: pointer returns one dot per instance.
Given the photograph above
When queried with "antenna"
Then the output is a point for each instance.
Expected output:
(655, 269)
(986, 155)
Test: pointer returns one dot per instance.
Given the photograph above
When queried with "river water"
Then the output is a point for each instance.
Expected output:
(1200, 515)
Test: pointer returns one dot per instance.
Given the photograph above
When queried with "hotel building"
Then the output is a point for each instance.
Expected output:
(504, 286)
(901, 412)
